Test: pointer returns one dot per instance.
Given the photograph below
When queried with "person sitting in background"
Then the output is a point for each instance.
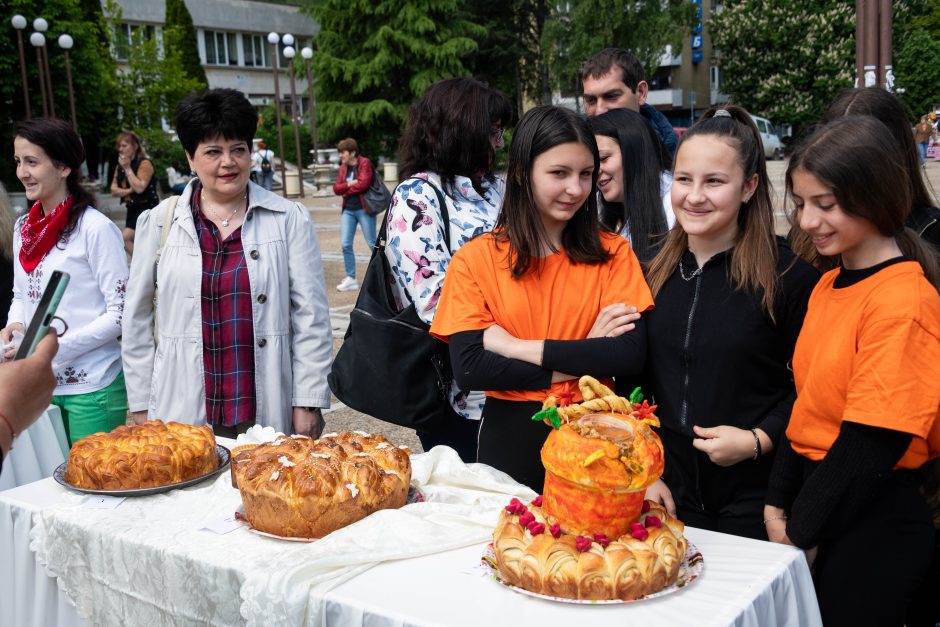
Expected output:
(352, 181)
(134, 182)
(177, 180)
(26, 387)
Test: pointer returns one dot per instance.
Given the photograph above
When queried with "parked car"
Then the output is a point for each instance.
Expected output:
(773, 146)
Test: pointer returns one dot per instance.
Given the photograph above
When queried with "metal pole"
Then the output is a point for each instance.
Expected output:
(871, 43)
(859, 43)
(885, 74)
(277, 116)
(68, 76)
(313, 113)
(42, 82)
(45, 61)
(19, 43)
(294, 123)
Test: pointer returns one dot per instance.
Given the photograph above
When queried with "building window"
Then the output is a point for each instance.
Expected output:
(221, 48)
(255, 48)
(124, 37)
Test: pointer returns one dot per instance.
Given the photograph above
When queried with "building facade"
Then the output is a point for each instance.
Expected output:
(232, 40)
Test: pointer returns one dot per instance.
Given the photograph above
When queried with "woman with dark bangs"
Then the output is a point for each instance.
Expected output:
(447, 155)
(543, 299)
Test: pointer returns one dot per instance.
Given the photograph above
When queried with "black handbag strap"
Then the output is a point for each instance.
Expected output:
(445, 218)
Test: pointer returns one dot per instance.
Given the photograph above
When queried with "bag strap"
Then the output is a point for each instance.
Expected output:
(445, 217)
(167, 222)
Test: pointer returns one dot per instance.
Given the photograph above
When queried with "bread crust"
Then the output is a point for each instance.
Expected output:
(626, 569)
(304, 488)
(148, 455)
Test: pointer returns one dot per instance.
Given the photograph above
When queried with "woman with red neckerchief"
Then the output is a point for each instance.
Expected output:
(63, 231)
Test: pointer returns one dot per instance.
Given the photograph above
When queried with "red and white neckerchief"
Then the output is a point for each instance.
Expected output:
(41, 232)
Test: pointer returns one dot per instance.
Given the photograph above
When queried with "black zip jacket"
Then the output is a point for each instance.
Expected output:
(716, 358)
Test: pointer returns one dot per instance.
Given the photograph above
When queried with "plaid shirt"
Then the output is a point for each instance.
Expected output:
(227, 329)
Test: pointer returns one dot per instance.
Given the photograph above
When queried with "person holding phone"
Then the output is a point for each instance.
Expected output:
(63, 231)
(25, 391)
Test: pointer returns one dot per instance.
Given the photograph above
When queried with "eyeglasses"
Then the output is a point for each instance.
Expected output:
(497, 133)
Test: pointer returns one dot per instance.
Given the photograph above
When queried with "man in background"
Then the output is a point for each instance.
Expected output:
(614, 79)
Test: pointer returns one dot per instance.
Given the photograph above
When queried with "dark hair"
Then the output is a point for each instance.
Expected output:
(448, 131)
(884, 106)
(63, 146)
(643, 159)
(215, 112)
(858, 159)
(605, 60)
(754, 257)
(520, 222)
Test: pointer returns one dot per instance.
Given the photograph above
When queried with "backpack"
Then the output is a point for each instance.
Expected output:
(377, 197)
(265, 164)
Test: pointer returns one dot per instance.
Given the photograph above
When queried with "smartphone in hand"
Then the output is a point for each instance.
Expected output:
(45, 312)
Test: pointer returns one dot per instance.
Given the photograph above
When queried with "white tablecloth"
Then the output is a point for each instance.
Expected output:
(184, 576)
(37, 451)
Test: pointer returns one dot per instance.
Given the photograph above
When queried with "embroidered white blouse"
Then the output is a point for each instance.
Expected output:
(89, 357)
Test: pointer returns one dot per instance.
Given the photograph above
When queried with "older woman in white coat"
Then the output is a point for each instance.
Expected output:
(242, 325)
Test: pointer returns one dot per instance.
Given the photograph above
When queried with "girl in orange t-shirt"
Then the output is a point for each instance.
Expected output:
(545, 298)
(846, 486)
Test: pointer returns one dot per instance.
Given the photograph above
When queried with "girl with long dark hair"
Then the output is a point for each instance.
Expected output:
(544, 298)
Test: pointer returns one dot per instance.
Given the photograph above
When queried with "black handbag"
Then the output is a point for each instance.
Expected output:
(389, 366)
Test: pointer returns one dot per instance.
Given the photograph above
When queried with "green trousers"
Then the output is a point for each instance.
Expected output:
(84, 414)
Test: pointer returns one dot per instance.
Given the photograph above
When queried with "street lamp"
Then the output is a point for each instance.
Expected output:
(307, 53)
(289, 54)
(41, 26)
(273, 38)
(19, 23)
(66, 43)
(38, 40)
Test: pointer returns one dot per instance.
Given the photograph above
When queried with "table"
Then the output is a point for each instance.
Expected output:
(37, 451)
(745, 582)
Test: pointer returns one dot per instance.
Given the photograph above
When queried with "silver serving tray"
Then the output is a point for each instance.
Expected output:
(225, 457)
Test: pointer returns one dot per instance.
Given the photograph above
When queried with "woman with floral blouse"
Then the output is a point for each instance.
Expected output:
(448, 148)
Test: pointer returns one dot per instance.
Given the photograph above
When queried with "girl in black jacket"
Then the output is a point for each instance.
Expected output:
(730, 299)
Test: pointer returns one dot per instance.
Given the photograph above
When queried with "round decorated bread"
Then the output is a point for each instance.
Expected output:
(534, 552)
(305, 488)
(149, 455)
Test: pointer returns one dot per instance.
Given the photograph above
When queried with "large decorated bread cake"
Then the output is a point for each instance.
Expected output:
(299, 487)
(142, 456)
(591, 535)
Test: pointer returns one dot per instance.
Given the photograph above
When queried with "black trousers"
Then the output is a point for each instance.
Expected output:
(457, 432)
(512, 442)
(867, 573)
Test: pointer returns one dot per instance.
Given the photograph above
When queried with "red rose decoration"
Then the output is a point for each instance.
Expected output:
(601, 539)
(535, 528)
(537, 501)
(639, 532)
(653, 521)
(646, 506)
(555, 530)
(516, 507)
(584, 544)
(526, 518)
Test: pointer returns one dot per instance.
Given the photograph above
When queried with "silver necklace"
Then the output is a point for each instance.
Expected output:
(225, 221)
(694, 274)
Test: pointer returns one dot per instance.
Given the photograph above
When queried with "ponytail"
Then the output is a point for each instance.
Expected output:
(914, 247)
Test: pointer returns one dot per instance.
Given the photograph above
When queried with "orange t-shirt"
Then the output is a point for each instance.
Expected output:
(868, 354)
(559, 300)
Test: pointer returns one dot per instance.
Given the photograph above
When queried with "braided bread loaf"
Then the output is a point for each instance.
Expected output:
(533, 553)
(304, 488)
(142, 456)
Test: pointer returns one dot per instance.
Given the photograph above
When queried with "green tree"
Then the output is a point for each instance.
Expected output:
(580, 28)
(180, 35)
(785, 59)
(916, 50)
(375, 58)
(92, 71)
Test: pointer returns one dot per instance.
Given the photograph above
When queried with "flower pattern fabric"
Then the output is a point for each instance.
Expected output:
(417, 252)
